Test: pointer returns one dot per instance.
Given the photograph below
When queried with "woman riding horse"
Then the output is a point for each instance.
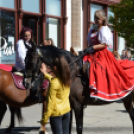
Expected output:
(109, 79)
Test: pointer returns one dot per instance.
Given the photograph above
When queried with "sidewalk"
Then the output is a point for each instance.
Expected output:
(107, 119)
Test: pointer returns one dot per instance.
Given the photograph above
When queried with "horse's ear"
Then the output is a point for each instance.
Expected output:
(33, 46)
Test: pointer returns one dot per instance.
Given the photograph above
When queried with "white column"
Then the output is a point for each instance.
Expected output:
(121, 45)
(76, 24)
(68, 27)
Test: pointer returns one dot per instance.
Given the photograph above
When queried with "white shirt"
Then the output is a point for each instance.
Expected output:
(21, 54)
(104, 36)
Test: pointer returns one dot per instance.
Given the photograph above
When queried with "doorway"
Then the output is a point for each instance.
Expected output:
(33, 23)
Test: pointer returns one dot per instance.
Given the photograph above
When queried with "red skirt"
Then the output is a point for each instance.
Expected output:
(109, 79)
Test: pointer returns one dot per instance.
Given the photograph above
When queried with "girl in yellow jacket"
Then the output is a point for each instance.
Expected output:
(58, 106)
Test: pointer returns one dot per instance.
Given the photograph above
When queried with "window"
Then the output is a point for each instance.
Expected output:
(7, 37)
(121, 44)
(53, 7)
(94, 7)
(7, 3)
(53, 30)
(110, 13)
(31, 5)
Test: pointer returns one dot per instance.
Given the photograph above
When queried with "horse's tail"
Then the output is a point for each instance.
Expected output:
(18, 113)
(73, 51)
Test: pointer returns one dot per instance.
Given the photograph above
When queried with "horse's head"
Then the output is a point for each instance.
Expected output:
(36, 56)
(33, 61)
(32, 66)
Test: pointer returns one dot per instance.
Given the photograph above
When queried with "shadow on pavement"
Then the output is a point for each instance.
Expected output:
(19, 130)
(119, 101)
(86, 130)
(123, 111)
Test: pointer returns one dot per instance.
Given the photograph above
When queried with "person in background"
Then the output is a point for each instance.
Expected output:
(58, 105)
(123, 55)
(50, 41)
(116, 55)
(128, 55)
(22, 46)
(47, 42)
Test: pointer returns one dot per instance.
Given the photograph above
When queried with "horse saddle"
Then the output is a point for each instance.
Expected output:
(18, 81)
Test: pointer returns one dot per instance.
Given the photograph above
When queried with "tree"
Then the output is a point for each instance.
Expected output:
(123, 22)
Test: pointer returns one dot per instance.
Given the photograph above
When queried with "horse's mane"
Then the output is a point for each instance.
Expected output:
(53, 52)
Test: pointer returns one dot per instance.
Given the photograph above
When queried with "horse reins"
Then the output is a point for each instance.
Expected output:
(76, 59)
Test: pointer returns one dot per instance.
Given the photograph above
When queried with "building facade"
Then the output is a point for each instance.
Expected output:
(82, 25)
(66, 21)
(46, 18)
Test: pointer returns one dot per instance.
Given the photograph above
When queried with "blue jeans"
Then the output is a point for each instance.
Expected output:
(60, 124)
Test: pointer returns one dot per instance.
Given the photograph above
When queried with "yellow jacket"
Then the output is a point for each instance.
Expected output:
(57, 99)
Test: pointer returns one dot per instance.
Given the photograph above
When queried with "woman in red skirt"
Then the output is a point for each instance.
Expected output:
(109, 79)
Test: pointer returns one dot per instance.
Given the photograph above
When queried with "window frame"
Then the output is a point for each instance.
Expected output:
(31, 13)
(88, 22)
(16, 19)
(63, 21)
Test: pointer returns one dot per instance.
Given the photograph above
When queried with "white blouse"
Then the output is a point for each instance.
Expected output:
(104, 36)
(21, 54)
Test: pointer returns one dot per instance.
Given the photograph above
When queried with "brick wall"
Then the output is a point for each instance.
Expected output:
(76, 23)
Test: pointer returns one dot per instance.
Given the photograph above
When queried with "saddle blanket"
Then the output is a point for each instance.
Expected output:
(5, 67)
(18, 81)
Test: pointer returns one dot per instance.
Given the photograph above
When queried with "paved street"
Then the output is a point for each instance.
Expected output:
(108, 119)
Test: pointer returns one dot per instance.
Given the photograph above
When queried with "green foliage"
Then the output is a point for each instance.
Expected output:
(123, 22)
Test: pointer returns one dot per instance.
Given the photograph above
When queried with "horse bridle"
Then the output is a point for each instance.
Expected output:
(39, 56)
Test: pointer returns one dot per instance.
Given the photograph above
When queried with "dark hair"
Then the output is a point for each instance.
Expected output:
(25, 29)
(63, 70)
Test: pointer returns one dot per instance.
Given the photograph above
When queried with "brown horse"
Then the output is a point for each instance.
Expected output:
(79, 94)
(11, 95)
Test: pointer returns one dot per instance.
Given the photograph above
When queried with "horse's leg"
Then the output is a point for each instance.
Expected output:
(3, 109)
(128, 103)
(78, 109)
